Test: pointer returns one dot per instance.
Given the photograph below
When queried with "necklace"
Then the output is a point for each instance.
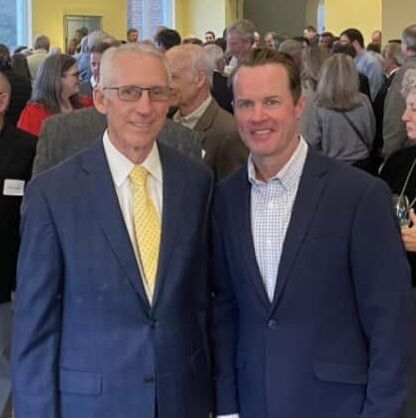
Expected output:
(406, 182)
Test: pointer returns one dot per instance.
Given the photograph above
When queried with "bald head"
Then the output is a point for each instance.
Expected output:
(193, 57)
(191, 76)
(5, 92)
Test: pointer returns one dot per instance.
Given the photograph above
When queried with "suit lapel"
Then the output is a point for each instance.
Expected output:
(102, 198)
(311, 186)
(207, 118)
(241, 216)
(173, 190)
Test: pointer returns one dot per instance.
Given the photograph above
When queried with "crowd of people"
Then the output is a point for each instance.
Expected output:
(217, 227)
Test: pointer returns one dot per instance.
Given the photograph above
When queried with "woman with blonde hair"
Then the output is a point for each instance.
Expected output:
(342, 124)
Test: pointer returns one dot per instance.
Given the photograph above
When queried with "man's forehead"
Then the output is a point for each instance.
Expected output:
(127, 68)
(263, 80)
(263, 69)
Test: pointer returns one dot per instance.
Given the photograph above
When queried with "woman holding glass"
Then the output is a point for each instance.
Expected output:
(399, 172)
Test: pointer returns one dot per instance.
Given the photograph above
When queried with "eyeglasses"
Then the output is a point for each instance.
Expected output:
(134, 93)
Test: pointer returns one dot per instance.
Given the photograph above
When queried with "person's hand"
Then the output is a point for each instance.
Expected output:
(409, 233)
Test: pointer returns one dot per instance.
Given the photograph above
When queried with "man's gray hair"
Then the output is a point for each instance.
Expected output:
(244, 28)
(409, 37)
(97, 37)
(41, 42)
(408, 82)
(291, 47)
(214, 55)
(394, 51)
(136, 49)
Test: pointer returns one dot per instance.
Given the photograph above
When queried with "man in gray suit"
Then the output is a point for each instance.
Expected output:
(394, 132)
(66, 134)
(223, 149)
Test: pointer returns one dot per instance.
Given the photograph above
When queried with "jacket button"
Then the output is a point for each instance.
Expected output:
(153, 323)
(149, 380)
(272, 324)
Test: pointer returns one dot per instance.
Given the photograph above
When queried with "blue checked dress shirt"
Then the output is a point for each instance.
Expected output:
(271, 209)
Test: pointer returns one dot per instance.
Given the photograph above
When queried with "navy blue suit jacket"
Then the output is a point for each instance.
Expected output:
(86, 341)
(334, 342)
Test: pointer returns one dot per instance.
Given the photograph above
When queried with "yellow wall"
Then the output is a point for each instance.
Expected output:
(397, 14)
(362, 14)
(48, 16)
(197, 16)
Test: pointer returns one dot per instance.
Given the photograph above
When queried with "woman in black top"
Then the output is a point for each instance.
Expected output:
(400, 173)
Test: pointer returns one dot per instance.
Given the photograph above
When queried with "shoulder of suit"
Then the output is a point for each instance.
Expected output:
(342, 175)
(184, 163)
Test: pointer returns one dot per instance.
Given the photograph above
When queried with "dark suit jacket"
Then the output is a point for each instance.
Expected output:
(222, 92)
(364, 85)
(334, 342)
(64, 135)
(17, 150)
(86, 342)
(224, 151)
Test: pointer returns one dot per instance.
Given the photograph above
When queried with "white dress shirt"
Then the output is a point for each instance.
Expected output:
(120, 168)
(271, 209)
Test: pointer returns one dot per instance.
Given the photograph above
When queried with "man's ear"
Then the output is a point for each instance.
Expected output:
(300, 106)
(201, 78)
(100, 100)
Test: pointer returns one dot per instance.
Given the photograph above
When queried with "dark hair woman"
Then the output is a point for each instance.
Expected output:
(56, 90)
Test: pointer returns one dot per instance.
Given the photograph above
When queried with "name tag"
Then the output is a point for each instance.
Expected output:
(13, 187)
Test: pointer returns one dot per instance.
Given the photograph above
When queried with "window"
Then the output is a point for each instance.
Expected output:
(14, 22)
(148, 15)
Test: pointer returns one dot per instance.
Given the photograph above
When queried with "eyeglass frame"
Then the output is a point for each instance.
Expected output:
(141, 90)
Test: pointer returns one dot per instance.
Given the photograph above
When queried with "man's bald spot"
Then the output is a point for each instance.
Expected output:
(192, 55)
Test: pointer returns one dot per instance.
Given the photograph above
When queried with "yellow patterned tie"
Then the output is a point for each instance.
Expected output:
(146, 226)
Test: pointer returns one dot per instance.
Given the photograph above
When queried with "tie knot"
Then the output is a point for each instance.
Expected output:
(139, 176)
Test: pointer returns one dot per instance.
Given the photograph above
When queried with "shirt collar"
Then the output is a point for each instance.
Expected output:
(93, 82)
(290, 173)
(192, 119)
(394, 70)
(121, 166)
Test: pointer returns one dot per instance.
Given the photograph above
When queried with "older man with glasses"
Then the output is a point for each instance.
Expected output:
(112, 298)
